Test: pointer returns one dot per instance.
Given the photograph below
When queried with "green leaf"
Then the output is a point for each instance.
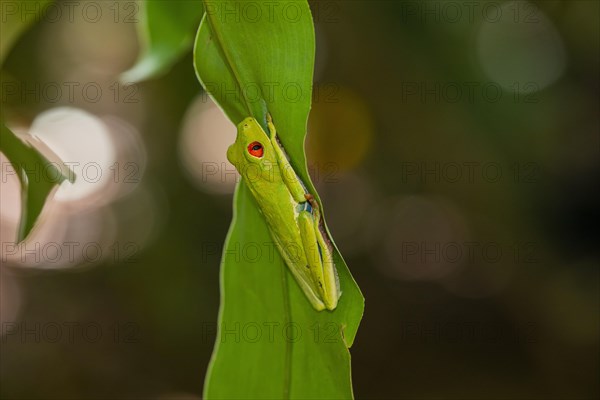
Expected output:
(37, 175)
(166, 31)
(271, 343)
(16, 17)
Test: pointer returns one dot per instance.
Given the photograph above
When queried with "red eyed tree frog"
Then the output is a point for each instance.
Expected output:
(291, 213)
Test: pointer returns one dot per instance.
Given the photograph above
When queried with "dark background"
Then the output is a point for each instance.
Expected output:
(455, 146)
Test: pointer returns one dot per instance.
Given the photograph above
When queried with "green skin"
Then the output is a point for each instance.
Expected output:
(283, 201)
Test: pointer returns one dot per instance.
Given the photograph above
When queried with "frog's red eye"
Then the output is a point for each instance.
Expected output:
(256, 149)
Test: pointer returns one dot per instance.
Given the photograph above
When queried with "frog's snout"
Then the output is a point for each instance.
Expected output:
(230, 154)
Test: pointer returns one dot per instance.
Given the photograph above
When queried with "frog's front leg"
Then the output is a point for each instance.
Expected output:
(288, 174)
(319, 259)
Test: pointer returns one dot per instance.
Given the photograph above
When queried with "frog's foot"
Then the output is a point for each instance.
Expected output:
(272, 130)
(311, 199)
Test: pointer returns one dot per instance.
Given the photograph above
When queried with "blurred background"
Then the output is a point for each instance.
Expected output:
(455, 146)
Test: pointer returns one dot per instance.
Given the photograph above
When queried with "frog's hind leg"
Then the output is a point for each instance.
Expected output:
(330, 279)
(311, 250)
(331, 289)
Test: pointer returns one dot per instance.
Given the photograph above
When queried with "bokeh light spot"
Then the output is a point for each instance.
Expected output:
(81, 141)
(340, 127)
(521, 50)
(206, 135)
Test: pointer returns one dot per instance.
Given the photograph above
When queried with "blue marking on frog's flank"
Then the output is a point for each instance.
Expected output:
(308, 207)
(305, 206)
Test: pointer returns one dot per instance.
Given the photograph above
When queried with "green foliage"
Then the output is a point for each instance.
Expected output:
(167, 32)
(37, 176)
(15, 21)
(271, 343)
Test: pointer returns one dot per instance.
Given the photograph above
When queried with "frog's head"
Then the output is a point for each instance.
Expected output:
(251, 146)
